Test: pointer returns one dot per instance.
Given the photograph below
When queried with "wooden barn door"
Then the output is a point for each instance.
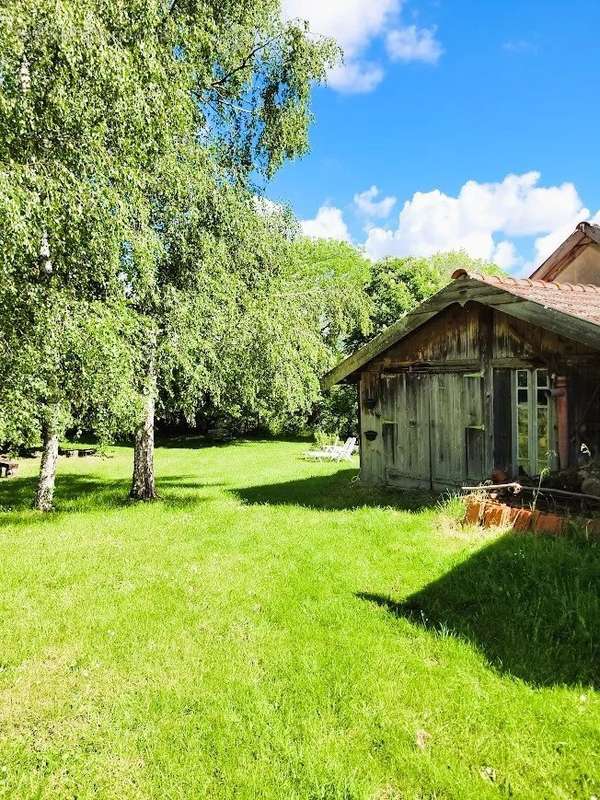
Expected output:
(433, 433)
(406, 431)
(457, 433)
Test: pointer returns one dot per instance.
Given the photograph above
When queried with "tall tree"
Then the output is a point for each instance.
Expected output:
(260, 315)
(64, 363)
(67, 206)
(106, 112)
(242, 79)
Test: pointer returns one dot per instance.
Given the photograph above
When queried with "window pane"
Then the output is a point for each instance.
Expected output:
(522, 397)
(522, 378)
(543, 441)
(523, 434)
(542, 397)
(542, 377)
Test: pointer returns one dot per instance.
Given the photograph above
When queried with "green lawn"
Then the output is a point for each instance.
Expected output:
(270, 630)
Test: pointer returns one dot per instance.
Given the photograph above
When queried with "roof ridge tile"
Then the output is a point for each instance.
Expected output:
(527, 283)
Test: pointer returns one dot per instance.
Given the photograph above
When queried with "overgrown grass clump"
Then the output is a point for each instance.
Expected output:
(269, 629)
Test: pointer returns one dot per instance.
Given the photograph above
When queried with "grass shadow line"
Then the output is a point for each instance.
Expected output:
(336, 492)
(83, 493)
(531, 606)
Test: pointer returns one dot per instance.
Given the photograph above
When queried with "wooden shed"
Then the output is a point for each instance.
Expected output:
(489, 373)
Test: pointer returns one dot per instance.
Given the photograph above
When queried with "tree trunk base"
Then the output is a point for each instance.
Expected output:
(45, 490)
(143, 486)
(146, 494)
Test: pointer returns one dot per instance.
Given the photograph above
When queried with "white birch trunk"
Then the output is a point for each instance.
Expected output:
(45, 489)
(142, 485)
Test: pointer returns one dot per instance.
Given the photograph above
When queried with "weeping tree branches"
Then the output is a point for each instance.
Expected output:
(123, 187)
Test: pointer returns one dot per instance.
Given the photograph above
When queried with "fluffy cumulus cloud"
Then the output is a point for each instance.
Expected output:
(505, 254)
(369, 206)
(414, 44)
(481, 219)
(328, 224)
(484, 219)
(357, 25)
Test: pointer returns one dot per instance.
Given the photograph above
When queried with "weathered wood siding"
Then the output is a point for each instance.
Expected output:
(452, 336)
(427, 403)
(517, 340)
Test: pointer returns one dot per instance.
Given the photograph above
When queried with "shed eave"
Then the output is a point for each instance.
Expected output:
(462, 290)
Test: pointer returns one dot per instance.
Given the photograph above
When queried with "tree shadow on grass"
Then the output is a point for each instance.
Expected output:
(75, 493)
(530, 604)
(199, 441)
(333, 493)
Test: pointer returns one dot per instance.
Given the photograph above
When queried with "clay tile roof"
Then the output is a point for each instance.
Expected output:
(577, 300)
(578, 316)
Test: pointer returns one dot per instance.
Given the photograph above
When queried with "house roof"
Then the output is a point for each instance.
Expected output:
(578, 300)
(585, 234)
(570, 310)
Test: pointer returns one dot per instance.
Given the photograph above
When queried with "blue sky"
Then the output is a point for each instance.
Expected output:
(438, 94)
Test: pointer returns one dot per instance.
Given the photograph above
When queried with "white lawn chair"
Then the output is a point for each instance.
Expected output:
(334, 452)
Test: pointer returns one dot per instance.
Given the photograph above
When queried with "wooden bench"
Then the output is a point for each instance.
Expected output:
(7, 467)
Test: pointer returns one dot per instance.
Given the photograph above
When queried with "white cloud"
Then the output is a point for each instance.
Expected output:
(328, 224)
(356, 24)
(355, 78)
(505, 255)
(414, 44)
(367, 204)
(480, 218)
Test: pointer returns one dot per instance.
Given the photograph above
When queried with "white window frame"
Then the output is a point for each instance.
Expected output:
(535, 463)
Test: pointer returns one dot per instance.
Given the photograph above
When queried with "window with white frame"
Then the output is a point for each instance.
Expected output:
(533, 420)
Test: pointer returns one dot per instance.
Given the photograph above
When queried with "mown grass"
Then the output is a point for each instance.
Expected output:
(270, 630)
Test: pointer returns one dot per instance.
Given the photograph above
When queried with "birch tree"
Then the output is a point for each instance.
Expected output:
(242, 80)
(69, 203)
(111, 115)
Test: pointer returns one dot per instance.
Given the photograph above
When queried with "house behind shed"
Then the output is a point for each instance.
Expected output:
(491, 373)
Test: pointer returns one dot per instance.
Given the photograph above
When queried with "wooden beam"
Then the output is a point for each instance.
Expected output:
(486, 347)
(591, 231)
(574, 328)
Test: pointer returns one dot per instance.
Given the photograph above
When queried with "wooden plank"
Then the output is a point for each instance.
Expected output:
(486, 344)
(398, 480)
(429, 366)
(371, 455)
(444, 419)
(475, 453)
(412, 418)
(578, 330)
(419, 389)
(503, 420)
